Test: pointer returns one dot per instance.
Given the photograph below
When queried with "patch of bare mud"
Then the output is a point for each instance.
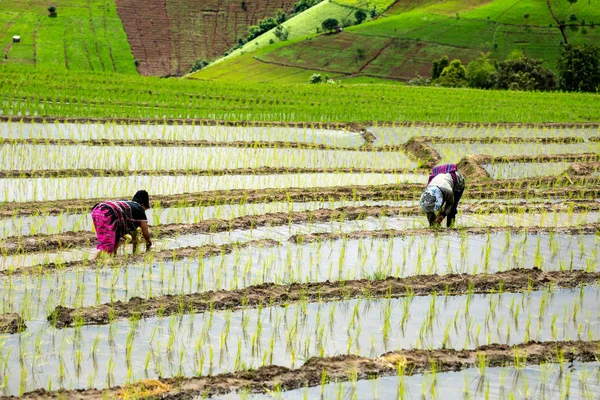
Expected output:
(582, 169)
(11, 323)
(268, 294)
(67, 240)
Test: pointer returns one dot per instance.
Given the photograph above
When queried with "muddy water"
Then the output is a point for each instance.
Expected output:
(10, 130)
(49, 224)
(45, 189)
(204, 343)
(399, 135)
(313, 262)
(453, 153)
(45, 157)
(283, 232)
(579, 381)
(67, 222)
(525, 170)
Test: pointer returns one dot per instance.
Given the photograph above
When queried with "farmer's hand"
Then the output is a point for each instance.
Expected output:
(148, 245)
(439, 219)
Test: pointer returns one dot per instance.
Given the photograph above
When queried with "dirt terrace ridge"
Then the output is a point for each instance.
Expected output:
(347, 367)
(354, 126)
(193, 143)
(33, 243)
(212, 250)
(542, 158)
(556, 186)
(11, 323)
(507, 140)
(269, 294)
(204, 251)
(588, 229)
(65, 173)
(349, 126)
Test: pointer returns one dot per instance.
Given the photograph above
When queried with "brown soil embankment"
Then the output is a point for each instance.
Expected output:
(318, 370)
(556, 186)
(504, 140)
(543, 158)
(192, 143)
(204, 251)
(23, 244)
(588, 229)
(420, 149)
(353, 126)
(349, 126)
(268, 294)
(66, 173)
(11, 323)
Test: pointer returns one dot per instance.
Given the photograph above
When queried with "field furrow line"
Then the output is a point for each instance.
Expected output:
(271, 294)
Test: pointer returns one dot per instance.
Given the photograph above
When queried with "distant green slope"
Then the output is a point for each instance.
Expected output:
(85, 36)
(404, 41)
(304, 24)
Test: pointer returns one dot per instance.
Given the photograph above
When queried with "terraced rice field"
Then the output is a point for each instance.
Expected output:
(295, 262)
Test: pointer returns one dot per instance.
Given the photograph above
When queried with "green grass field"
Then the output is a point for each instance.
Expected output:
(26, 91)
(86, 36)
(405, 40)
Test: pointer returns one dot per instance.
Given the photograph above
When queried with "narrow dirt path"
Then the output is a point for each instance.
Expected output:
(561, 26)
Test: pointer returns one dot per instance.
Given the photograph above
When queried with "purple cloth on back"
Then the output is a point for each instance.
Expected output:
(443, 169)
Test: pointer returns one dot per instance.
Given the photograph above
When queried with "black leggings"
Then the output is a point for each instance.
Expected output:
(451, 217)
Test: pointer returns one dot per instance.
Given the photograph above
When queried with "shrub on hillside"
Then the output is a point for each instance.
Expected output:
(481, 72)
(330, 24)
(315, 78)
(198, 65)
(579, 68)
(524, 73)
(282, 33)
(360, 16)
(438, 66)
(454, 75)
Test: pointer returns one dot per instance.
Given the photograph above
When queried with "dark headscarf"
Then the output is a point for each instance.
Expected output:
(141, 197)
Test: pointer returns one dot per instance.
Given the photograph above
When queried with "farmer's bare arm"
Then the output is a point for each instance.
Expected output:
(146, 233)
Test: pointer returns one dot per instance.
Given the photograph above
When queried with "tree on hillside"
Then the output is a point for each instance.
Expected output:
(524, 74)
(330, 24)
(579, 68)
(52, 11)
(360, 16)
(454, 75)
(481, 72)
(438, 67)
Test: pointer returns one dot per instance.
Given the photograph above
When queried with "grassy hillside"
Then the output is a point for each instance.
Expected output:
(302, 25)
(85, 36)
(404, 41)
